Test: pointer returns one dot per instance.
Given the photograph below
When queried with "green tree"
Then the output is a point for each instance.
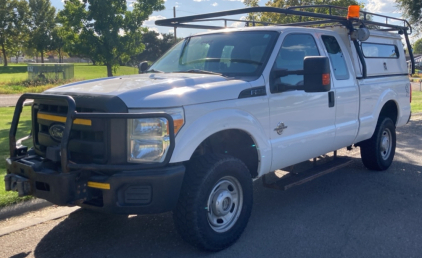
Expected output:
(283, 19)
(13, 25)
(105, 30)
(412, 10)
(155, 46)
(42, 25)
(58, 41)
(417, 47)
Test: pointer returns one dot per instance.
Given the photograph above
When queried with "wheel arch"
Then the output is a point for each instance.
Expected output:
(226, 128)
(389, 109)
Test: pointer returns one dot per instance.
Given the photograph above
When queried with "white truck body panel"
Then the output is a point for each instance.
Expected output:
(160, 90)
(211, 103)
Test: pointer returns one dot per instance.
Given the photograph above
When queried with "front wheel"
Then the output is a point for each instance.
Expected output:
(378, 152)
(215, 202)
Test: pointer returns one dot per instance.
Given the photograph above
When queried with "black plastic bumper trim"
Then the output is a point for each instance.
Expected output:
(161, 187)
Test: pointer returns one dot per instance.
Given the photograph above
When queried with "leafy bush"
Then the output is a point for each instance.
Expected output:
(42, 81)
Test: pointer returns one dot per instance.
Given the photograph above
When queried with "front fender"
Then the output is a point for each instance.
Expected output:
(193, 133)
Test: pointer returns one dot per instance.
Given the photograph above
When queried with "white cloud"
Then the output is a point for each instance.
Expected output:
(157, 17)
(153, 29)
(239, 24)
(151, 20)
(200, 0)
(214, 4)
(156, 30)
(382, 6)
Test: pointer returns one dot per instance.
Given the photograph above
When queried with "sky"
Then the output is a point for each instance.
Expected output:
(191, 7)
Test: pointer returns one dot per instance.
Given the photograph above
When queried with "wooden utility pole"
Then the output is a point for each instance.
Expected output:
(174, 16)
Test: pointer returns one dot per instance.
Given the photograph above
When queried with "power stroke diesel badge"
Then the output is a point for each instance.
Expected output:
(56, 131)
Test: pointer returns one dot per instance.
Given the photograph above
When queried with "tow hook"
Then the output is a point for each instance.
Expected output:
(18, 184)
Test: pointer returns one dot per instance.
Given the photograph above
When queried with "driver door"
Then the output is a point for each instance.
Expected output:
(302, 124)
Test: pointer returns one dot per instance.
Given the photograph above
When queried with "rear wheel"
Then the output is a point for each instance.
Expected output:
(378, 152)
(215, 202)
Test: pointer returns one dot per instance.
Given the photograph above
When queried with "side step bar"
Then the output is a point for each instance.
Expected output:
(307, 171)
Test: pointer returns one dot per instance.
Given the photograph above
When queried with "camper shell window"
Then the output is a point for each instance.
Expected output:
(376, 50)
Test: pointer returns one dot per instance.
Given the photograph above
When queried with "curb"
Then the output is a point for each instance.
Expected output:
(23, 207)
(23, 222)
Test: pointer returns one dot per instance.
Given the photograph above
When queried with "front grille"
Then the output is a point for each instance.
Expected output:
(87, 143)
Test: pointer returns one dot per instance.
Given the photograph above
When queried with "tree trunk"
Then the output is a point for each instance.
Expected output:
(36, 57)
(109, 70)
(42, 57)
(58, 52)
(3, 49)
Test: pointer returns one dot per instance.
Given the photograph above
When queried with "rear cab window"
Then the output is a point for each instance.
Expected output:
(336, 57)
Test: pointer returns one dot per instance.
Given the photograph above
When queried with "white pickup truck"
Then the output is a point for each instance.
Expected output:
(217, 111)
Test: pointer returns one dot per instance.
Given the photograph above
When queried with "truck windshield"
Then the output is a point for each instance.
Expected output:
(232, 54)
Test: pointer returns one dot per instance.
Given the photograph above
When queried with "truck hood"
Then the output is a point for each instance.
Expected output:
(159, 89)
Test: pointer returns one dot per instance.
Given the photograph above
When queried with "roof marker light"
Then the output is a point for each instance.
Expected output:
(353, 11)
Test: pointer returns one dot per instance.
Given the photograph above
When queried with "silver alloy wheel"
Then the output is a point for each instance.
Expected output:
(386, 143)
(225, 204)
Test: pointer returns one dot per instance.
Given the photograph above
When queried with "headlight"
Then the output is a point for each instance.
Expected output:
(148, 138)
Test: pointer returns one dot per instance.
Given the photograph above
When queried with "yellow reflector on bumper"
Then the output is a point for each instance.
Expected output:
(104, 186)
(62, 119)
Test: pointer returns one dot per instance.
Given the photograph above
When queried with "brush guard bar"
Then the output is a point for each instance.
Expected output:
(71, 115)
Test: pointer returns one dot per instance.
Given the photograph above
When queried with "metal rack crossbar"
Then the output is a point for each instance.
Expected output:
(365, 14)
(349, 23)
(186, 21)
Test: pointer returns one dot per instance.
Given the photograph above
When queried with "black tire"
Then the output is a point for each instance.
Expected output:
(373, 151)
(193, 212)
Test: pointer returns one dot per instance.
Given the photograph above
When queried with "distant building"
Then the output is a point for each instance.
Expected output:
(418, 62)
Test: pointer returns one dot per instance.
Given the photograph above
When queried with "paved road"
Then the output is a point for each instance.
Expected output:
(9, 100)
(351, 213)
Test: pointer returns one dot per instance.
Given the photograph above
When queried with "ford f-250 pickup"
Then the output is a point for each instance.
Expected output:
(217, 111)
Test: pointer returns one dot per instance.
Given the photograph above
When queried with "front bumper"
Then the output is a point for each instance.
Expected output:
(112, 187)
(130, 192)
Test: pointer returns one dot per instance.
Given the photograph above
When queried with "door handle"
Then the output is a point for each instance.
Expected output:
(331, 99)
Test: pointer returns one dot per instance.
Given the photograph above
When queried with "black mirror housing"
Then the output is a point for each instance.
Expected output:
(143, 66)
(317, 76)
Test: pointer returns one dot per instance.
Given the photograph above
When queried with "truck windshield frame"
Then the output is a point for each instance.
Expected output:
(231, 54)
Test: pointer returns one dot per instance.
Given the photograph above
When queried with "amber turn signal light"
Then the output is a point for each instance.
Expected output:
(325, 79)
(353, 11)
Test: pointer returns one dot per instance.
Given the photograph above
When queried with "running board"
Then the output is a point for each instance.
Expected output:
(312, 171)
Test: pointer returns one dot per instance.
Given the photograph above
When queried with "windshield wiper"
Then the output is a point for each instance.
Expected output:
(153, 71)
(198, 71)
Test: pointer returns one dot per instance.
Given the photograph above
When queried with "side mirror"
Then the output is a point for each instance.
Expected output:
(143, 67)
(316, 74)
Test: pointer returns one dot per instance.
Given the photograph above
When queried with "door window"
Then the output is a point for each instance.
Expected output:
(336, 57)
(294, 49)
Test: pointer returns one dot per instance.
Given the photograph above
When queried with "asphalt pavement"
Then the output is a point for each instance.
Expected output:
(353, 212)
(9, 100)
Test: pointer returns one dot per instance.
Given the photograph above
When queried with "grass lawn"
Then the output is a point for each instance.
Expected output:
(416, 102)
(6, 114)
(11, 77)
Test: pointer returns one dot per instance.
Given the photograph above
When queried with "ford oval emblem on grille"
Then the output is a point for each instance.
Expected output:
(56, 131)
